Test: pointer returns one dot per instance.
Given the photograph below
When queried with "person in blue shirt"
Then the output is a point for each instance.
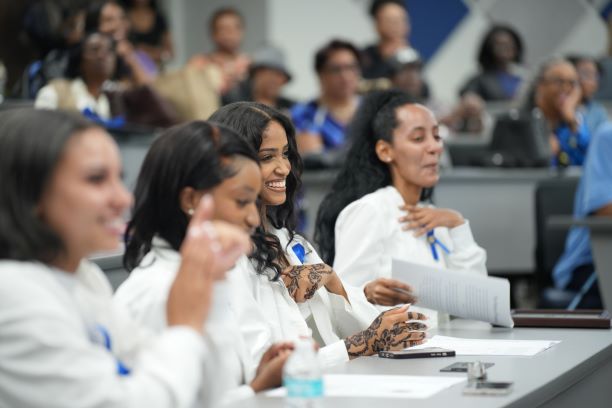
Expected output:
(589, 73)
(321, 123)
(557, 96)
(593, 197)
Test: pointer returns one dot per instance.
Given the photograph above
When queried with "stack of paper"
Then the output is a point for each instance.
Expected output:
(462, 294)
(381, 386)
(482, 347)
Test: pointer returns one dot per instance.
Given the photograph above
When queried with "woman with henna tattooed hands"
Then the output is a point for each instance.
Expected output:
(288, 291)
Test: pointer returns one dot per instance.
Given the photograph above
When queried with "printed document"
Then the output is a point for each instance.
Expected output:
(487, 347)
(460, 294)
(380, 386)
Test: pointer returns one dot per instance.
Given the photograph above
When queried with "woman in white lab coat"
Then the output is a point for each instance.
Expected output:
(63, 341)
(289, 291)
(378, 208)
(183, 164)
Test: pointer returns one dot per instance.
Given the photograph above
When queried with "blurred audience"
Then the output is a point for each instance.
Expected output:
(589, 72)
(501, 74)
(89, 89)
(108, 17)
(268, 74)
(321, 123)
(55, 27)
(468, 115)
(227, 31)
(393, 27)
(149, 30)
(557, 95)
(90, 70)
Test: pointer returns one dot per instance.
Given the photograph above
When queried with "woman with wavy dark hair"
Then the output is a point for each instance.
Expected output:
(378, 206)
(184, 164)
(294, 292)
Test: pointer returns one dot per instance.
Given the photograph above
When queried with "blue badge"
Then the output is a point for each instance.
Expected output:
(299, 251)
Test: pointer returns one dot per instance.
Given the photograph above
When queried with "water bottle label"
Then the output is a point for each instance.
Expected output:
(303, 388)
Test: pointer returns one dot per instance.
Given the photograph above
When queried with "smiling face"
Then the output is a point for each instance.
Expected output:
(113, 21)
(275, 165)
(85, 199)
(414, 154)
(236, 197)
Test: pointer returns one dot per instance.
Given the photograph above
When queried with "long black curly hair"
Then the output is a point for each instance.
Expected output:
(362, 172)
(250, 120)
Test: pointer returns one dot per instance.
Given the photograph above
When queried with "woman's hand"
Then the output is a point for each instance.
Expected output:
(270, 370)
(208, 251)
(389, 331)
(423, 219)
(388, 292)
(302, 281)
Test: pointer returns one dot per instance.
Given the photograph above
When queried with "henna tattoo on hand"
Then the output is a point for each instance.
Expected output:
(304, 279)
(377, 337)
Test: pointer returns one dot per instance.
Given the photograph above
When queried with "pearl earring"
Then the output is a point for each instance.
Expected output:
(190, 211)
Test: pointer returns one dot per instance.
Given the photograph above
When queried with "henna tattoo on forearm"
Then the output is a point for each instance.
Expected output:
(305, 277)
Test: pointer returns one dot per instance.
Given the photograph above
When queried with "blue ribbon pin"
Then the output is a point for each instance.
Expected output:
(433, 241)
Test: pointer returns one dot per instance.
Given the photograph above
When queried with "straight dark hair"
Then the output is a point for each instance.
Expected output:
(324, 54)
(32, 143)
(187, 155)
(486, 55)
(362, 172)
(250, 120)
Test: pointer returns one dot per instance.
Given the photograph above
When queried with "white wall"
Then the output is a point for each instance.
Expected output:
(301, 27)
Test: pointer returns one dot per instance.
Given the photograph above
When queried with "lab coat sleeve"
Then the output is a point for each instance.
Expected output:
(237, 395)
(44, 344)
(333, 354)
(253, 325)
(359, 244)
(46, 98)
(466, 254)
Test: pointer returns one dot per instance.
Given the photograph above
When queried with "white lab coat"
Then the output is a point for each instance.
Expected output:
(268, 313)
(145, 294)
(52, 351)
(368, 236)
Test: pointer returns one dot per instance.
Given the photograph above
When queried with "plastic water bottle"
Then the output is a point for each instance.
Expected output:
(302, 376)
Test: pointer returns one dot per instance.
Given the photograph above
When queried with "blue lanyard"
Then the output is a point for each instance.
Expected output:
(106, 339)
(433, 241)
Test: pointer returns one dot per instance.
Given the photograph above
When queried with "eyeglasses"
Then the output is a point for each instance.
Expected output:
(560, 82)
(338, 69)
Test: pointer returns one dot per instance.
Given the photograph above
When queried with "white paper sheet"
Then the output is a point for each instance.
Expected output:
(461, 294)
(381, 386)
(486, 347)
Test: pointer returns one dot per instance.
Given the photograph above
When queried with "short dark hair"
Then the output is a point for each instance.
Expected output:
(250, 120)
(324, 54)
(187, 155)
(92, 17)
(378, 4)
(75, 55)
(576, 59)
(32, 143)
(486, 56)
(225, 11)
